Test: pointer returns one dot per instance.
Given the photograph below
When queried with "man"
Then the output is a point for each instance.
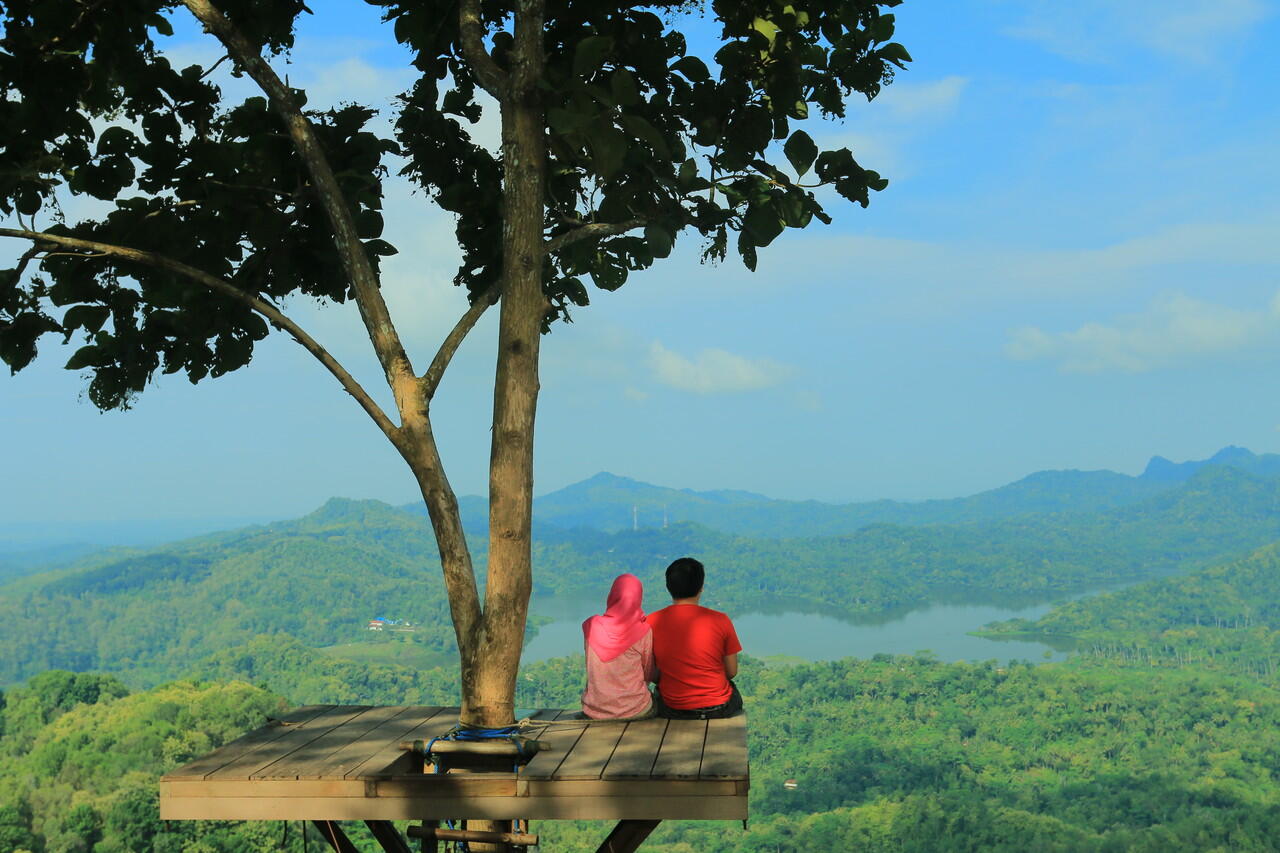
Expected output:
(696, 650)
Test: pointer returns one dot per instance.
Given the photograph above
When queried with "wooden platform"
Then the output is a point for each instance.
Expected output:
(331, 762)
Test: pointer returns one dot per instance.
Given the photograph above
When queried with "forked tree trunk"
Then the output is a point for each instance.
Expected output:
(490, 639)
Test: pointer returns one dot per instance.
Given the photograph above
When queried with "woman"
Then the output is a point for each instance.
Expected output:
(619, 646)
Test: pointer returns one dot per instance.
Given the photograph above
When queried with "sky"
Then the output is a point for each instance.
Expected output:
(1076, 265)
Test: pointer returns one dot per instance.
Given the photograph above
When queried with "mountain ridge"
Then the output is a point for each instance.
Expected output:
(611, 502)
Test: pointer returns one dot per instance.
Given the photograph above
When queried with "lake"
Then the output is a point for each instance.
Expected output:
(941, 628)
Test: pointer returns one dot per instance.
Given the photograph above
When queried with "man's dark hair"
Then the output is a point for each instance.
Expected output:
(684, 578)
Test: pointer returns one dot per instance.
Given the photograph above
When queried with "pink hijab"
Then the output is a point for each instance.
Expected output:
(622, 623)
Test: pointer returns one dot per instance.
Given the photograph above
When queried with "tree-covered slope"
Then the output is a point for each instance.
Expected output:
(319, 578)
(1226, 617)
(890, 754)
(1218, 513)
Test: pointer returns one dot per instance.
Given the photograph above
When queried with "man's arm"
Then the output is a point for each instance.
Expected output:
(731, 665)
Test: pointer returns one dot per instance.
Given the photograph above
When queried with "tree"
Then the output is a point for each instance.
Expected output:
(615, 140)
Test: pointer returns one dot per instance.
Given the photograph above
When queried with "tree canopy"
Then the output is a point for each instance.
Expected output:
(616, 139)
(641, 134)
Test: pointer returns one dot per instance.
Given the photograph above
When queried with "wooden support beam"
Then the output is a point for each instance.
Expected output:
(335, 837)
(385, 833)
(627, 836)
(429, 842)
(520, 839)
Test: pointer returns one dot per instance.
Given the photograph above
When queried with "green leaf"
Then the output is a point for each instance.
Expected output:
(116, 140)
(369, 223)
(693, 68)
(895, 53)
(801, 151)
(688, 173)
(590, 54)
(646, 133)
(762, 223)
(90, 317)
(608, 149)
(747, 251)
(607, 273)
(86, 356)
(161, 24)
(381, 247)
(623, 87)
(660, 240)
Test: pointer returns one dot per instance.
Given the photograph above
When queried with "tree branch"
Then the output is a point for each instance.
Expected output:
(490, 77)
(266, 309)
(373, 308)
(26, 258)
(589, 232)
(431, 379)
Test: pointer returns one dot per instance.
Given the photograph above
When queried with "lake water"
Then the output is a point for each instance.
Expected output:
(940, 628)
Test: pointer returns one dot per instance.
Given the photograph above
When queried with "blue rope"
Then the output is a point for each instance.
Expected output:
(474, 735)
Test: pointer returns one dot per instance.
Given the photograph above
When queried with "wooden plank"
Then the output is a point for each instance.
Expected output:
(228, 752)
(681, 753)
(449, 785)
(372, 741)
(432, 808)
(251, 760)
(309, 760)
(637, 750)
(390, 759)
(439, 786)
(559, 740)
(270, 788)
(627, 788)
(592, 752)
(724, 756)
(540, 715)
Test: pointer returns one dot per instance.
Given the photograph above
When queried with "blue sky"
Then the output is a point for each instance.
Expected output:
(1076, 265)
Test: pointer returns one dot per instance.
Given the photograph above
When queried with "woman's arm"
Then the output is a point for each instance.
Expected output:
(648, 662)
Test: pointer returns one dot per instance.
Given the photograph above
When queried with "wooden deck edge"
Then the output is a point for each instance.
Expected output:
(451, 787)
(480, 808)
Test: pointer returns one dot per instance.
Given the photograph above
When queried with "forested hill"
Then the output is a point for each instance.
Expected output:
(1223, 617)
(606, 501)
(322, 577)
(153, 613)
(1217, 514)
(889, 755)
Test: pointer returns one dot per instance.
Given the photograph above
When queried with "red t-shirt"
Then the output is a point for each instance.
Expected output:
(690, 643)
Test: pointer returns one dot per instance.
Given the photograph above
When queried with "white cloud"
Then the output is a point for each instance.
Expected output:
(935, 99)
(635, 395)
(1105, 31)
(1173, 330)
(713, 371)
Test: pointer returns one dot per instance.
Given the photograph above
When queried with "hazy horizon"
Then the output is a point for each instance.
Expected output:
(1073, 267)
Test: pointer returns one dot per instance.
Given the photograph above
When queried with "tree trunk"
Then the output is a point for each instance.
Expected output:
(495, 658)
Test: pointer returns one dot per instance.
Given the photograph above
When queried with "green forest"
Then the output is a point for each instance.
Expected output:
(893, 753)
(150, 615)
(1161, 733)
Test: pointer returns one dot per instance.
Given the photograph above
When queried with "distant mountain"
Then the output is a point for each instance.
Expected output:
(609, 502)
(320, 578)
(1161, 470)
(1219, 513)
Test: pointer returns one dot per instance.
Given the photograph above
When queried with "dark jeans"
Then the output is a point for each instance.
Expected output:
(715, 712)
